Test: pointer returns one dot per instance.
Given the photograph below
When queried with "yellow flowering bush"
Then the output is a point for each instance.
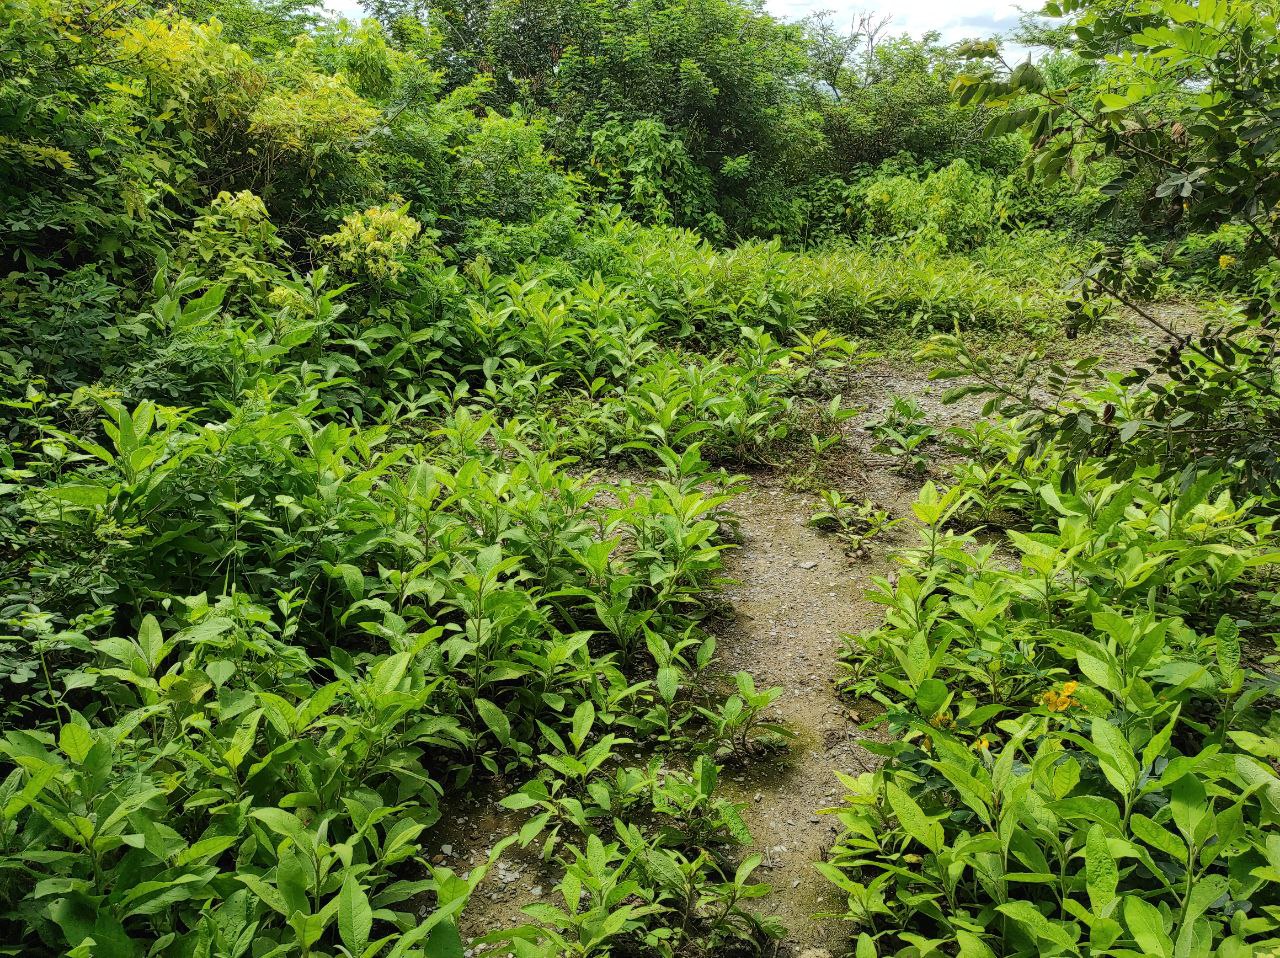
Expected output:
(374, 242)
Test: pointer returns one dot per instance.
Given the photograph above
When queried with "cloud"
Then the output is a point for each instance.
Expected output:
(984, 25)
(954, 19)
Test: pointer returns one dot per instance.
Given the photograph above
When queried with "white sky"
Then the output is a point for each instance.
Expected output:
(954, 19)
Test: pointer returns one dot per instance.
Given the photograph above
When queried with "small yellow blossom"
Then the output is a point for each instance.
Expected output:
(982, 745)
(1226, 262)
(1059, 700)
(942, 720)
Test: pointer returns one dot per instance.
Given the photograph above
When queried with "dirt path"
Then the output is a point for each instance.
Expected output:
(797, 599)
(797, 596)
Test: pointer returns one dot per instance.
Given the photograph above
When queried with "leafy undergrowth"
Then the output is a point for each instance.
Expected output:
(259, 768)
(312, 333)
(1085, 758)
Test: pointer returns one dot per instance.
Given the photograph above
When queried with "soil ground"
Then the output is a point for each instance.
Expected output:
(796, 598)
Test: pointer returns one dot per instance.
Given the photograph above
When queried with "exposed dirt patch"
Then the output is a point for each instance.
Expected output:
(797, 595)
(473, 826)
(798, 599)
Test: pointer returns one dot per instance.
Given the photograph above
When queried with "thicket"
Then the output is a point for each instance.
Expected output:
(314, 334)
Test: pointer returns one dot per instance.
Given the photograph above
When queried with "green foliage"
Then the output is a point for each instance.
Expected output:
(1175, 103)
(221, 796)
(869, 288)
(860, 523)
(658, 871)
(1217, 410)
(324, 346)
(956, 203)
(889, 96)
(903, 433)
(646, 169)
(1076, 733)
(1166, 92)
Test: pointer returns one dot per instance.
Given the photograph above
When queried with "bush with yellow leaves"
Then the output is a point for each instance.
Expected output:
(320, 114)
(234, 243)
(188, 62)
(374, 243)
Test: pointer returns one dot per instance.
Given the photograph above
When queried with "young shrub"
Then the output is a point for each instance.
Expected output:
(956, 203)
(375, 243)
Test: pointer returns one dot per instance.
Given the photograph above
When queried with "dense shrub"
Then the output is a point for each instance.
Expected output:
(956, 203)
(1083, 757)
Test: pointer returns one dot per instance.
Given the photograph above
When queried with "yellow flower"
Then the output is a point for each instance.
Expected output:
(983, 744)
(1226, 262)
(942, 720)
(1056, 700)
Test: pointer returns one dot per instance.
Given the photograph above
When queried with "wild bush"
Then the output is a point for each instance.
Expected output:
(1082, 760)
(957, 203)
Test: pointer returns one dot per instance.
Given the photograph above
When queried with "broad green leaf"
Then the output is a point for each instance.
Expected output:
(495, 719)
(1115, 755)
(355, 916)
(1034, 923)
(76, 742)
(1101, 874)
(913, 819)
(1147, 927)
(583, 718)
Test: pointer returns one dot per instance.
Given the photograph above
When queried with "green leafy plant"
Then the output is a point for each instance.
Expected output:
(902, 432)
(860, 523)
(1071, 732)
(739, 725)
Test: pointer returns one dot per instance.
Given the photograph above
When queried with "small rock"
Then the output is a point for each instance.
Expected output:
(809, 565)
